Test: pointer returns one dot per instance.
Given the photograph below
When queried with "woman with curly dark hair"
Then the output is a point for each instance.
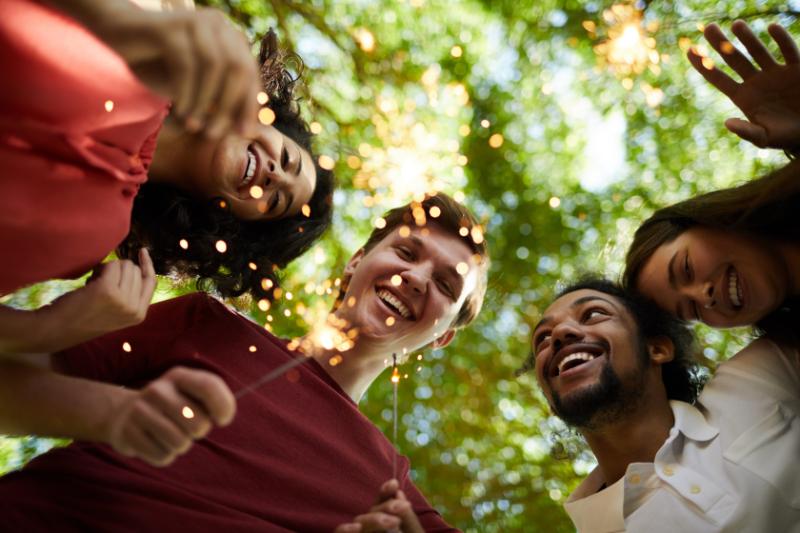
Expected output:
(83, 173)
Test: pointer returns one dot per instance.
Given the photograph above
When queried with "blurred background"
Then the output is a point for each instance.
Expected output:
(562, 124)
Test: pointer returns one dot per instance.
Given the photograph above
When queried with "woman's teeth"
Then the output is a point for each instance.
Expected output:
(250, 170)
(734, 290)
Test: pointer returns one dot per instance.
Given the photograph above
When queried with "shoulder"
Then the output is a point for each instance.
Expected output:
(765, 361)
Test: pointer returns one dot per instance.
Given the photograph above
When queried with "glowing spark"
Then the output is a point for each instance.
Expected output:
(252, 265)
(306, 210)
(335, 360)
(395, 375)
(256, 191)
(287, 313)
(496, 140)
(109, 105)
(315, 127)
(365, 39)
(126, 347)
(277, 293)
(222, 247)
(262, 98)
(187, 412)
(289, 295)
(390, 321)
(727, 47)
(554, 202)
(485, 123)
(462, 268)
(326, 162)
(183, 243)
(354, 162)
(708, 63)
(477, 235)
(405, 231)
(266, 116)
(222, 204)
(264, 304)
(462, 160)
(351, 302)
(456, 51)
(380, 223)
(396, 280)
(463, 231)
(419, 357)
(395, 380)
(464, 130)
(252, 348)
(435, 211)
(266, 284)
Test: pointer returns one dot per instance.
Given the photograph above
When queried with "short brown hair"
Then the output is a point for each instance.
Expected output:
(452, 217)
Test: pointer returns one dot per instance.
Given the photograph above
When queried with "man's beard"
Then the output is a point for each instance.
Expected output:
(605, 402)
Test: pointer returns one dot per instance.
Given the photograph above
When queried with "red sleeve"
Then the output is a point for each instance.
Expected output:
(429, 517)
(138, 354)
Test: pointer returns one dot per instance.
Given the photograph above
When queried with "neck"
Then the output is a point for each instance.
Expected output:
(357, 368)
(636, 439)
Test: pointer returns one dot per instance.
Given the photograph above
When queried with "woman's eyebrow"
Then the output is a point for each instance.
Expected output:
(299, 162)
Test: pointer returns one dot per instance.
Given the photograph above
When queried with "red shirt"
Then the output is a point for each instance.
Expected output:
(77, 134)
(299, 455)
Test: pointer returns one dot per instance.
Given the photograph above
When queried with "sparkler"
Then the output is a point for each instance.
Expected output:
(395, 380)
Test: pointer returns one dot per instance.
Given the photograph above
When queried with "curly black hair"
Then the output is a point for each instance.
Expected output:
(681, 376)
(163, 216)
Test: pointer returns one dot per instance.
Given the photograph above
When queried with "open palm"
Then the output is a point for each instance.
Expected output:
(769, 97)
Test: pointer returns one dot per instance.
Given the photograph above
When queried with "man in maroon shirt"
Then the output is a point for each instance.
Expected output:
(298, 456)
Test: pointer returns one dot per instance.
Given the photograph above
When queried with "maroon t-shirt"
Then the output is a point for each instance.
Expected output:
(299, 455)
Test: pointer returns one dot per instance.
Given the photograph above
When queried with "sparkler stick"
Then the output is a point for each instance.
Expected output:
(395, 380)
(269, 376)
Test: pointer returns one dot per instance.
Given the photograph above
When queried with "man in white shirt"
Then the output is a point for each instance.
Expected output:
(620, 371)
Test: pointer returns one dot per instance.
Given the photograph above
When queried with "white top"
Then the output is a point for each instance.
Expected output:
(732, 463)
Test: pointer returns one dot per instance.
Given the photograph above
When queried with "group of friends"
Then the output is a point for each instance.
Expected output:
(137, 131)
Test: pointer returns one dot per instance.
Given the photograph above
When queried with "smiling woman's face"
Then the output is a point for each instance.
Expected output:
(265, 176)
(722, 278)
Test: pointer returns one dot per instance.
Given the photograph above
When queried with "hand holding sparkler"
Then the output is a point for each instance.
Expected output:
(392, 512)
(159, 422)
(767, 97)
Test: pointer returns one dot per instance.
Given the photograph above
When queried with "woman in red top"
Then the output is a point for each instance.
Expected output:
(77, 143)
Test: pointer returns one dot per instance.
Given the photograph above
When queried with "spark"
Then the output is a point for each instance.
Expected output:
(396, 280)
(221, 246)
(485, 123)
(463, 231)
(183, 243)
(727, 47)
(464, 130)
(435, 211)
(266, 116)
(496, 140)
(187, 412)
(126, 347)
(252, 348)
(456, 51)
(315, 127)
(306, 210)
(326, 162)
(390, 321)
(708, 63)
(264, 304)
(419, 357)
(462, 268)
(477, 234)
(380, 222)
(109, 105)
(252, 265)
(405, 231)
(256, 191)
(554, 202)
(354, 162)
(262, 98)
(335, 360)
(395, 380)
(365, 39)
(266, 284)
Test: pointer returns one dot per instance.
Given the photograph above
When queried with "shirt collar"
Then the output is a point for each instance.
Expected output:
(597, 512)
(691, 422)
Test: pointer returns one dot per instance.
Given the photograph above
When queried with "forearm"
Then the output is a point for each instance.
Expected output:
(91, 13)
(37, 331)
(38, 401)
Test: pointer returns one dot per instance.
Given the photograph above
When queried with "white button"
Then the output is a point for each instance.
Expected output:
(635, 478)
(695, 489)
(668, 470)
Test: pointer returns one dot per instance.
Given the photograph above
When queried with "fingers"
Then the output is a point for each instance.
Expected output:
(208, 390)
(184, 415)
(149, 280)
(377, 521)
(748, 131)
(209, 74)
(180, 62)
(754, 46)
(388, 490)
(348, 528)
(789, 49)
(712, 74)
(730, 54)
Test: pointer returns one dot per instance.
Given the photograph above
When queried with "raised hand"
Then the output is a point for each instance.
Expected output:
(769, 93)
(160, 422)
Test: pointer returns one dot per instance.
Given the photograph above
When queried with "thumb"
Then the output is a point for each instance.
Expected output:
(748, 131)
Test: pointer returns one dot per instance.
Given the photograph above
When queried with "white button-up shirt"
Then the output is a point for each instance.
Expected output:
(731, 463)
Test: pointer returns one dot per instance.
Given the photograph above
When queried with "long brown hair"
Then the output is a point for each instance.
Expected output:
(767, 207)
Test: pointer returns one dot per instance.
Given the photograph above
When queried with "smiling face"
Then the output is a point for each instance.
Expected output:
(590, 361)
(724, 279)
(407, 290)
(262, 177)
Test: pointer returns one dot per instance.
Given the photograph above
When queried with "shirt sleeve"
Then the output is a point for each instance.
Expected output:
(429, 517)
(138, 354)
(767, 367)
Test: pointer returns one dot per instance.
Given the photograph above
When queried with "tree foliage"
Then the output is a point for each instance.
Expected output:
(519, 107)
